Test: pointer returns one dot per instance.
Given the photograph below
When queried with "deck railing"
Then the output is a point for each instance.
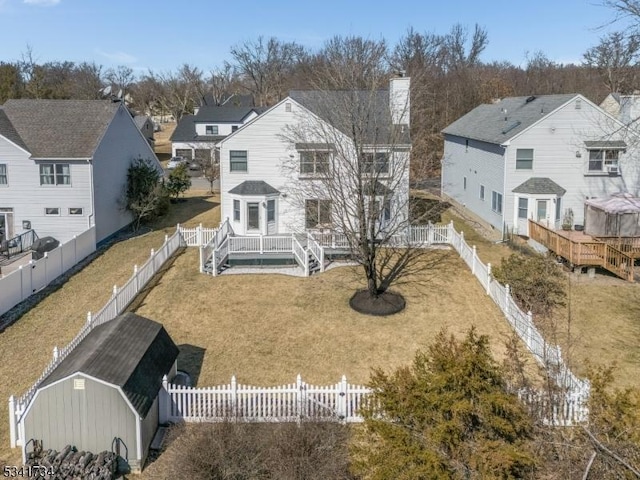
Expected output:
(316, 250)
(594, 252)
(300, 255)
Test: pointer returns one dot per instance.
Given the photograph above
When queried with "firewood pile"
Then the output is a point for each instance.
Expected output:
(69, 464)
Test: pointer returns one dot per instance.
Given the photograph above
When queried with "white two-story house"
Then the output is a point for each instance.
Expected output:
(537, 157)
(195, 135)
(63, 166)
(274, 170)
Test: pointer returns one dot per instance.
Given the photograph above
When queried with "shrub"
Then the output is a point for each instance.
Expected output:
(447, 416)
(179, 180)
(537, 284)
(240, 451)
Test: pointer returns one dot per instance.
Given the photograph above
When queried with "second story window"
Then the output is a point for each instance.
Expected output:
(524, 159)
(314, 162)
(605, 161)
(55, 174)
(211, 130)
(238, 160)
(4, 180)
(376, 163)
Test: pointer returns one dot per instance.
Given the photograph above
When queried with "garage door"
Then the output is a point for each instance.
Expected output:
(184, 152)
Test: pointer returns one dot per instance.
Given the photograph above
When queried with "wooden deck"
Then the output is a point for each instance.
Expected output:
(580, 249)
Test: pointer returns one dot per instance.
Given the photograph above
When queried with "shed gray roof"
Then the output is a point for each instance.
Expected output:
(615, 144)
(540, 185)
(370, 109)
(253, 187)
(59, 128)
(487, 122)
(130, 351)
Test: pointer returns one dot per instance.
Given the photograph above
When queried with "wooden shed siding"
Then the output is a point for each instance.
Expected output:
(483, 164)
(149, 427)
(121, 144)
(29, 199)
(89, 419)
(555, 141)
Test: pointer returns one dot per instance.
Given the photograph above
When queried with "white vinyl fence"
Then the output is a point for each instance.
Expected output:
(119, 301)
(37, 274)
(294, 402)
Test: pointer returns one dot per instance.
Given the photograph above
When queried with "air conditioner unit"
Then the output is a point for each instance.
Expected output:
(612, 169)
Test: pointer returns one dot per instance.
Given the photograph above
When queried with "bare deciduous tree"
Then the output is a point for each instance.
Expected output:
(266, 65)
(616, 57)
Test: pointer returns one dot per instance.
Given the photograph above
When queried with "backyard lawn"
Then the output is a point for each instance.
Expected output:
(266, 329)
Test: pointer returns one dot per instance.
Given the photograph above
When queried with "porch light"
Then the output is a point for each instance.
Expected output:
(578, 154)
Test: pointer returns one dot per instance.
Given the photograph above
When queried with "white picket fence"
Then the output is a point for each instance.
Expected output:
(37, 274)
(294, 402)
(119, 301)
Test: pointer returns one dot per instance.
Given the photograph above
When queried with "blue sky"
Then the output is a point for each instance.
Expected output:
(162, 34)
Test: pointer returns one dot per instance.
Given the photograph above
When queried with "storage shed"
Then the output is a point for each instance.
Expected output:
(617, 216)
(104, 394)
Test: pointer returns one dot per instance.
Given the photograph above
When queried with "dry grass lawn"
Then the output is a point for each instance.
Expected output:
(26, 346)
(265, 329)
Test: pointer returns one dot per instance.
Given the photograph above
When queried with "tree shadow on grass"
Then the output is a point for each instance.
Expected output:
(184, 210)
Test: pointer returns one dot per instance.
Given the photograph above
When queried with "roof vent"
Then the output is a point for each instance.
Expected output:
(530, 99)
(578, 104)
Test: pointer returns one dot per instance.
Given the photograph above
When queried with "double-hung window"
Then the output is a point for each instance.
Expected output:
(605, 161)
(523, 207)
(376, 163)
(496, 202)
(211, 129)
(524, 159)
(317, 212)
(314, 162)
(55, 174)
(238, 160)
(236, 210)
(4, 180)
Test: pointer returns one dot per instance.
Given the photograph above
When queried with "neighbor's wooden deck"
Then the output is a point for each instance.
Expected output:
(583, 250)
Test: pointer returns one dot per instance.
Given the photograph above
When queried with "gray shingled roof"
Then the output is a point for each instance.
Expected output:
(186, 129)
(540, 185)
(369, 109)
(140, 120)
(59, 128)
(8, 131)
(253, 187)
(487, 122)
(130, 351)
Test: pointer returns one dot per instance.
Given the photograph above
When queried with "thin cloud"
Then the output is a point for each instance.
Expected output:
(118, 57)
(42, 3)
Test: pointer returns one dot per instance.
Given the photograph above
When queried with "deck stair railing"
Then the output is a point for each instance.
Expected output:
(18, 244)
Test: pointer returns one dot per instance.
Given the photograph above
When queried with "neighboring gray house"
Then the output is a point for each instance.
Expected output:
(63, 166)
(625, 108)
(536, 157)
(196, 135)
(104, 394)
(145, 125)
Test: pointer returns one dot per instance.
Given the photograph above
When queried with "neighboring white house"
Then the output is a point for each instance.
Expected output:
(536, 157)
(196, 135)
(266, 165)
(63, 166)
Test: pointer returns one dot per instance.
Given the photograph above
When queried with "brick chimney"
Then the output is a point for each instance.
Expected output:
(399, 99)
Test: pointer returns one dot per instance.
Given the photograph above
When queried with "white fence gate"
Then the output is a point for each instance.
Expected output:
(286, 403)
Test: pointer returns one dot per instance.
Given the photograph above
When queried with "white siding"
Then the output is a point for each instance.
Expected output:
(266, 152)
(482, 164)
(224, 128)
(557, 140)
(121, 144)
(28, 198)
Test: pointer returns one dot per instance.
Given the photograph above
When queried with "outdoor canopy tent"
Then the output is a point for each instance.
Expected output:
(616, 216)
